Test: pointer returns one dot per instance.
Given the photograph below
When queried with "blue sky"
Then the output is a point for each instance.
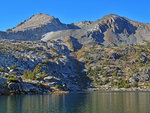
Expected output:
(69, 11)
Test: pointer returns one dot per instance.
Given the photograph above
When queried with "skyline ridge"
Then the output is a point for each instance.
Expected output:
(107, 15)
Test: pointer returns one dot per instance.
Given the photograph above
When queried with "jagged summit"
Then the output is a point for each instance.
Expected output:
(111, 16)
(35, 21)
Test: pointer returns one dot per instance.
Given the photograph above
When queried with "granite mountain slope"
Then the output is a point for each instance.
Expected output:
(110, 30)
(33, 28)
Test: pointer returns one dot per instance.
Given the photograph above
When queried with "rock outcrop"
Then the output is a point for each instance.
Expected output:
(143, 75)
(23, 88)
(50, 58)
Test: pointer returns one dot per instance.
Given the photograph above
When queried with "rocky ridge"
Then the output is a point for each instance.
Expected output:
(110, 30)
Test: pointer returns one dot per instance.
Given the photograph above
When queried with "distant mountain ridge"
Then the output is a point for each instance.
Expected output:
(110, 30)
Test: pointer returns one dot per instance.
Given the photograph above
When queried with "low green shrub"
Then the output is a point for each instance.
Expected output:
(36, 73)
(12, 80)
(2, 69)
(14, 67)
(57, 86)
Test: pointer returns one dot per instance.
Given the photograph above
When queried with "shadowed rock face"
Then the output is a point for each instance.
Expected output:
(118, 24)
(72, 43)
(110, 30)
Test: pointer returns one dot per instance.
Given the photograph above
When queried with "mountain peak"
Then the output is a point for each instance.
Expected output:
(112, 18)
(34, 21)
(42, 15)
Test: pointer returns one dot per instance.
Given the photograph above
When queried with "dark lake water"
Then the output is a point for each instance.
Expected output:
(93, 102)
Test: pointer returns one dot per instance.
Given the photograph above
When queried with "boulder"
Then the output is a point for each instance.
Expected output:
(141, 77)
(52, 84)
(50, 79)
(132, 80)
(143, 59)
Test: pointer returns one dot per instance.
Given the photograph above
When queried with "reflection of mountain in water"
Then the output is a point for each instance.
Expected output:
(115, 102)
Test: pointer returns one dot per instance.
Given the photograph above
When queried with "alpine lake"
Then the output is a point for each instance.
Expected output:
(81, 102)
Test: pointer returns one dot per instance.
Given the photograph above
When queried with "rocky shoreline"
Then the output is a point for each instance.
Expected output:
(24, 87)
(33, 92)
(118, 89)
(52, 90)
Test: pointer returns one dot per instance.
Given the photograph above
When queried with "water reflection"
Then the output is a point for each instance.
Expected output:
(97, 102)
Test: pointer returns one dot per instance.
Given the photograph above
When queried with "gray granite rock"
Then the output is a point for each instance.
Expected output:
(23, 87)
(3, 82)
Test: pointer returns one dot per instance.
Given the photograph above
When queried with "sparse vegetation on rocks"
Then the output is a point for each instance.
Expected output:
(45, 54)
